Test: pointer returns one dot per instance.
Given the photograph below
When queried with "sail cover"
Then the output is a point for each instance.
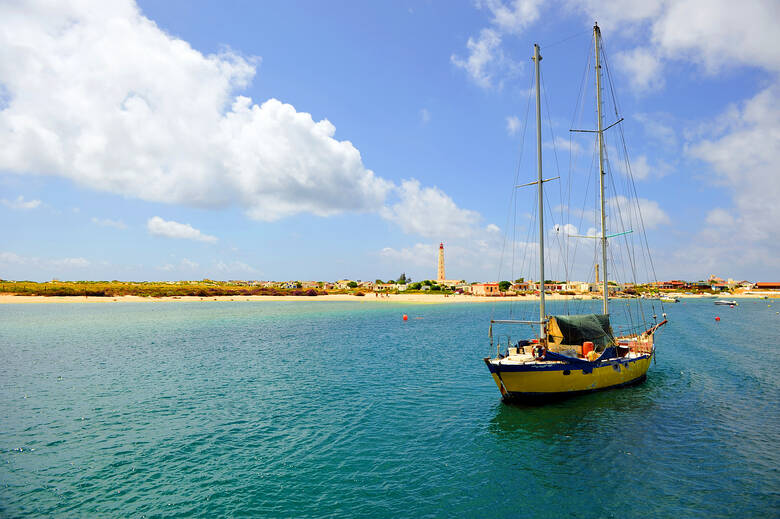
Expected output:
(576, 329)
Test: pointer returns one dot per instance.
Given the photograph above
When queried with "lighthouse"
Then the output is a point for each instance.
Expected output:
(441, 276)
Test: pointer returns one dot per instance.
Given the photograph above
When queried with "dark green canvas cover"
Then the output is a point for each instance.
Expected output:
(576, 329)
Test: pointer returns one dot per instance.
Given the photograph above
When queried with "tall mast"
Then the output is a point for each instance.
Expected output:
(596, 36)
(542, 327)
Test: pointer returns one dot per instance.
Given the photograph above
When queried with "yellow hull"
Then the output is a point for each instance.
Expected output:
(557, 380)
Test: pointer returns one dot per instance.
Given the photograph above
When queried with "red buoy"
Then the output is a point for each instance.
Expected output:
(406, 317)
(717, 318)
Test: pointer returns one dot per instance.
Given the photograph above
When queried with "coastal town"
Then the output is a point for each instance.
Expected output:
(521, 287)
(403, 284)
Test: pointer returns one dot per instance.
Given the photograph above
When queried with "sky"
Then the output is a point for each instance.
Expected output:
(328, 140)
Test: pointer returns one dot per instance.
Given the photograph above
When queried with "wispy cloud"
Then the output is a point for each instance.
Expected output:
(21, 204)
(485, 54)
(171, 229)
(487, 63)
(184, 264)
(107, 222)
(564, 145)
(11, 258)
(235, 267)
(425, 116)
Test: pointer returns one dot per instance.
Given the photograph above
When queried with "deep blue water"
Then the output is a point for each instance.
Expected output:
(307, 409)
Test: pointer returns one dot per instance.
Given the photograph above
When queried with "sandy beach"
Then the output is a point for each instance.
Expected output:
(368, 298)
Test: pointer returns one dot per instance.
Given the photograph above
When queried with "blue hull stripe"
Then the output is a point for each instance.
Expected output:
(505, 368)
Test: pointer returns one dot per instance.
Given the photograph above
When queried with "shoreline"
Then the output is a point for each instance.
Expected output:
(368, 298)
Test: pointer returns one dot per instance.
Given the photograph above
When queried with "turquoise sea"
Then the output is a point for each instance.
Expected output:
(311, 409)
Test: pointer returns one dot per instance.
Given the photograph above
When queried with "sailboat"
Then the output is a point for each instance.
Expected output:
(571, 354)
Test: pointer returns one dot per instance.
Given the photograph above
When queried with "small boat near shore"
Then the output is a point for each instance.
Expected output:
(668, 299)
(723, 302)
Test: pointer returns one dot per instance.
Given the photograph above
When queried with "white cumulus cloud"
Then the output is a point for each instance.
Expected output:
(98, 94)
(514, 16)
(643, 69)
(744, 159)
(691, 31)
(170, 229)
(635, 212)
(719, 218)
(429, 212)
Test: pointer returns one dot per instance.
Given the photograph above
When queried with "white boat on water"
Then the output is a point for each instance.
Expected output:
(667, 299)
(723, 302)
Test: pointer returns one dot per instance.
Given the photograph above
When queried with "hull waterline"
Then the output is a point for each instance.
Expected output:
(543, 381)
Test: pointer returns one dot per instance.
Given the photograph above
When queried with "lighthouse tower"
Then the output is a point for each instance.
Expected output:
(441, 276)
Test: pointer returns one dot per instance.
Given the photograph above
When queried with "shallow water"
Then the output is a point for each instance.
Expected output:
(307, 409)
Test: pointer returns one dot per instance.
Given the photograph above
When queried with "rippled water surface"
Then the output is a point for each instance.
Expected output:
(311, 409)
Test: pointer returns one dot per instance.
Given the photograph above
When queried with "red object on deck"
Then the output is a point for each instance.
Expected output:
(717, 318)
(587, 347)
(406, 317)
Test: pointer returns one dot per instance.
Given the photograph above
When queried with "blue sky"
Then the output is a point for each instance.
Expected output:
(312, 140)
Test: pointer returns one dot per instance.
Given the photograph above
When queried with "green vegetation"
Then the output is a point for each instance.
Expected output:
(503, 286)
(352, 284)
(205, 288)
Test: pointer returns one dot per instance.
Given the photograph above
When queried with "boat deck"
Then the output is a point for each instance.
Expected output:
(523, 358)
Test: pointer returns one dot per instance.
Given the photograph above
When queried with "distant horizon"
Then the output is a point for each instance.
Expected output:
(157, 140)
(359, 280)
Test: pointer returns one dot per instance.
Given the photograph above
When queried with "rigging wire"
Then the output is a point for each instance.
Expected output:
(561, 244)
(578, 107)
(632, 184)
(568, 38)
(513, 200)
(566, 259)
